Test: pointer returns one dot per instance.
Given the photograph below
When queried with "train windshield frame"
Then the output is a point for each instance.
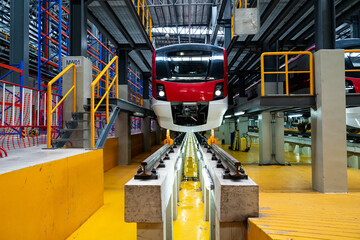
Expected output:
(189, 65)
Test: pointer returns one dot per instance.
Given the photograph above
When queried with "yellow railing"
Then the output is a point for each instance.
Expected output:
(98, 86)
(286, 72)
(352, 51)
(108, 87)
(144, 14)
(49, 110)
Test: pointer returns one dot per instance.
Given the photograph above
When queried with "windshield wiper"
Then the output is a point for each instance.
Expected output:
(208, 70)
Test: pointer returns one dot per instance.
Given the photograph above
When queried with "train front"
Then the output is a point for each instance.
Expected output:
(189, 87)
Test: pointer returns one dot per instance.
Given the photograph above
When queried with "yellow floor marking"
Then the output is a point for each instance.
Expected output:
(190, 223)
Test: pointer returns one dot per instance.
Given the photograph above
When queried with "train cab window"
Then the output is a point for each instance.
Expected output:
(354, 59)
(189, 65)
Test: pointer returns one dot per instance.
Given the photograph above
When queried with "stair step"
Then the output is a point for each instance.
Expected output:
(76, 129)
(70, 139)
(82, 120)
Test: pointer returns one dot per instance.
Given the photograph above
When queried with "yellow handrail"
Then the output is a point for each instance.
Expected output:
(49, 111)
(239, 3)
(286, 72)
(352, 51)
(93, 108)
(144, 15)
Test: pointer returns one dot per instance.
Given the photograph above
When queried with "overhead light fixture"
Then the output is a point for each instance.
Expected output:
(239, 113)
(295, 115)
(228, 116)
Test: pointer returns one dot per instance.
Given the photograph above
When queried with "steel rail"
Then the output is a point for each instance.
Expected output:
(147, 168)
(233, 168)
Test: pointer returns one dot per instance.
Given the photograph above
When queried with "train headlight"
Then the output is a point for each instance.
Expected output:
(160, 92)
(219, 91)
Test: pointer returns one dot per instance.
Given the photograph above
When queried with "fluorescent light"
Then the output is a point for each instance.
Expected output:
(295, 115)
(228, 116)
(239, 113)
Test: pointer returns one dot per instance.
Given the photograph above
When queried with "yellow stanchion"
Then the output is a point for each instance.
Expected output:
(168, 140)
(212, 139)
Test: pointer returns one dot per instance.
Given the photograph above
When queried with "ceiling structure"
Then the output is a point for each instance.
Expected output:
(182, 21)
(285, 25)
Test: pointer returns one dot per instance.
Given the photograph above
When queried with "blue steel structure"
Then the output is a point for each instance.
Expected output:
(53, 39)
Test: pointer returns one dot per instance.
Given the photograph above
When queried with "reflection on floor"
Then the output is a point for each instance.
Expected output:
(190, 223)
(253, 155)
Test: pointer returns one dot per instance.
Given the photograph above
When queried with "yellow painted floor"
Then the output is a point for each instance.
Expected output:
(290, 209)
(288, 206)
(108, 222)
(190, 224)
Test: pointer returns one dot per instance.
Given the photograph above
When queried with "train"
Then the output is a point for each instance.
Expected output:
(189, 86)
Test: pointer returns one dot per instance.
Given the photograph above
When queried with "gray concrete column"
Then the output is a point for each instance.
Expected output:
(19, 38)
(353, 161)
(83, 81)
(243, 123)
(271, 138)
(146, 131)
(328, 125)
(123, 130)
(157, 133)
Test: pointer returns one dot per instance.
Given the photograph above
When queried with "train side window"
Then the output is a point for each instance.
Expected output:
(355, 59)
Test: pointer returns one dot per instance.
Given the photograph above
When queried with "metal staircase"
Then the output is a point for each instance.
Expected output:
(77, 130)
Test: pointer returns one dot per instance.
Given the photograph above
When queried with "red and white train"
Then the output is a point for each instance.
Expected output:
(189, 86)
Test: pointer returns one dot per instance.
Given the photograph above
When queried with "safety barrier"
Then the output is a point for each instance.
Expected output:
(287, 72)
(49, 108)
(143, 12)
(93, 108)
(350, 52)
(23, 113)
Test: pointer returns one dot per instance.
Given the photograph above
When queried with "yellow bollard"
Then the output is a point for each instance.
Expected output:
(212, 139)
(168, 139)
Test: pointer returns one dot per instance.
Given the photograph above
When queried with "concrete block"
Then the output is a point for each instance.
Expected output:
(235, 200)
(146, 201)
(246, 21)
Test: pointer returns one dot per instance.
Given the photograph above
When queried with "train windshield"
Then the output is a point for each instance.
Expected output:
(189, 65)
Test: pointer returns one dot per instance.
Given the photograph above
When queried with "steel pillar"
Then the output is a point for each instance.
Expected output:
(325, 24)
(123, 66)
(19, 39)
(78, 28)
(355, 27)
(227, 17)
